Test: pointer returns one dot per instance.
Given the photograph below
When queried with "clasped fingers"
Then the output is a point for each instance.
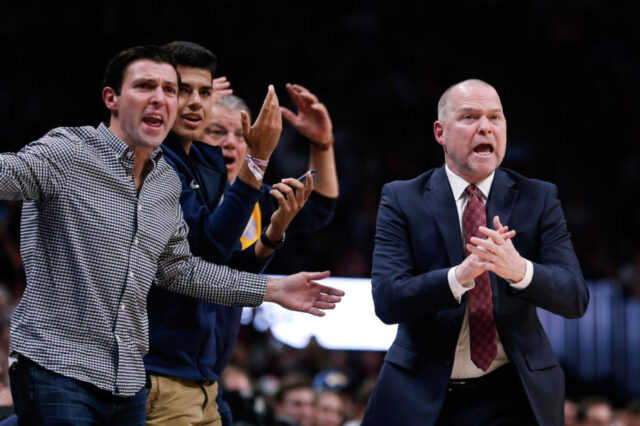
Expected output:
(486, 246)
(470, 268)
(501, 259)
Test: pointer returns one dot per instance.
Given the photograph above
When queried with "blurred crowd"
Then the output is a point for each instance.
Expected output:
(598, 411)
(570, 89)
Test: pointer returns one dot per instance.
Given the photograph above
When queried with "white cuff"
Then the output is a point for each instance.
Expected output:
(458, 289)
(524, 282)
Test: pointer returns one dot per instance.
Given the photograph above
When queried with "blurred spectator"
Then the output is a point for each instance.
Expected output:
(332, 380)
(236, 379)
(570, 413)
(9, 251)
(248, 406)
(632, 415)
(629, 275)
(294, 402)
(594, 411)
(328, 409)
(6, 401)
(338, 382)
(360, 401)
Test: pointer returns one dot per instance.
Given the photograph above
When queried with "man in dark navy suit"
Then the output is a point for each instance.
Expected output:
(470, 349)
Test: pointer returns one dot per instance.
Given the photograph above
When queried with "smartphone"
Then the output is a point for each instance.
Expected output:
(303, 180)
(314, 176)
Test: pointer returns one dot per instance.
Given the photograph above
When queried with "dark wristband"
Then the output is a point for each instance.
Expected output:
(274, 245)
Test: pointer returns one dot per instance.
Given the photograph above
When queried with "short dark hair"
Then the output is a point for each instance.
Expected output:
(117, 66)
(191, 54)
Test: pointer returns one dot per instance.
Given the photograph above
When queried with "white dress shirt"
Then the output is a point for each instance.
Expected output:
(463, 367)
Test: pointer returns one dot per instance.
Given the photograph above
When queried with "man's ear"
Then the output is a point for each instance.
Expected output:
(438, 131)
(110, 98)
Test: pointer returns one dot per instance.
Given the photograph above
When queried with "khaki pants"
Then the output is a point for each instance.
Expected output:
(174, 401)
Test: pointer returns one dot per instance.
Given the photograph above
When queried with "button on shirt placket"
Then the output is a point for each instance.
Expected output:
(122, 317)
(145, 220)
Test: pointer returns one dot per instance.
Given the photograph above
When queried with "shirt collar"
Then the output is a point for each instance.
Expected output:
(458, 184)
(120, 148)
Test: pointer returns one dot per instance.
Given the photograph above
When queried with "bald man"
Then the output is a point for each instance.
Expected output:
(464, 255)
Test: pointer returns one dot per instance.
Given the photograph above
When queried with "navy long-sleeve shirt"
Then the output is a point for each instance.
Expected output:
(191, 339)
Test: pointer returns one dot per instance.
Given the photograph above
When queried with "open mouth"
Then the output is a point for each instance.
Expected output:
(228, 160)
(153, 120)
(192, 120)
(483, 149)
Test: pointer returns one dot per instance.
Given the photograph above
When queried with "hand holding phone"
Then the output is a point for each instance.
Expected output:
(302, 179)
(289, 196)
(314, 176)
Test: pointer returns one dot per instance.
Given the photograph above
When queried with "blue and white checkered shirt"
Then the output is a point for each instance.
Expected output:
(92, 246)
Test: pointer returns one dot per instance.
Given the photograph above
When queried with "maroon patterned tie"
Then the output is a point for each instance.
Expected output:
(482, 329)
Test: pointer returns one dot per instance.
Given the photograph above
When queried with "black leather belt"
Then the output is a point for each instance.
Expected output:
(500, 375)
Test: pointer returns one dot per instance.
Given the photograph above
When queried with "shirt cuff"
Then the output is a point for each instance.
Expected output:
(524, 282)
(458, 289)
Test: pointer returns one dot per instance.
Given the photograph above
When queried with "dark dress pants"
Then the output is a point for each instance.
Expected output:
(497, 399)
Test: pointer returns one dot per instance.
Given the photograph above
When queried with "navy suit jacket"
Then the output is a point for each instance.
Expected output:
(418, 240)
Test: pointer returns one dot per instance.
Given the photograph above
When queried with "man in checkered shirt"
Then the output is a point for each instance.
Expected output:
(101, 219)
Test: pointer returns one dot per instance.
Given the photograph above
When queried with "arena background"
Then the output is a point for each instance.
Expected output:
(567, 73)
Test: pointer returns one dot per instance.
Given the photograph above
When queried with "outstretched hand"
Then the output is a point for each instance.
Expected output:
(262, 138)
(313, 119)
(497, 254)
(474, 265)
(299, 292)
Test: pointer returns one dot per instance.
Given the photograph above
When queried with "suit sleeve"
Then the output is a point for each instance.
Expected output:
(557, 284)
(399, 293)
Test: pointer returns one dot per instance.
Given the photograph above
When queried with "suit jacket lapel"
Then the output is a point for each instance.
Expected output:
(439, 199)
(502, 199)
